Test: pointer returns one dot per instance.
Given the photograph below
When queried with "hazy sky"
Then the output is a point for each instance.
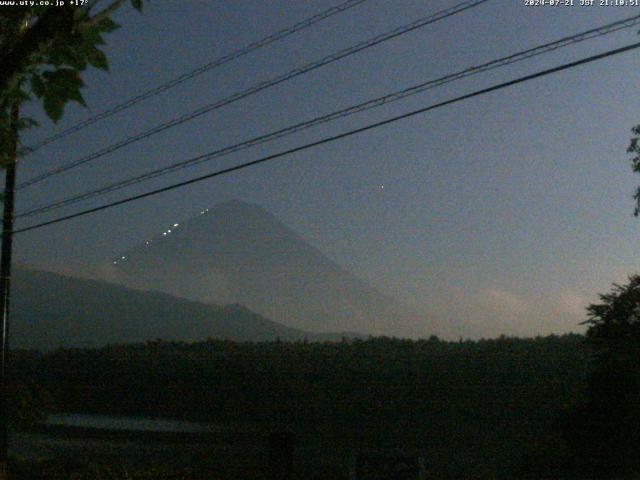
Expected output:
(510, 211)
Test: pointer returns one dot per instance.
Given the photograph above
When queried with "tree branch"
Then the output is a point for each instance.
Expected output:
(106, 12)
(53, 22)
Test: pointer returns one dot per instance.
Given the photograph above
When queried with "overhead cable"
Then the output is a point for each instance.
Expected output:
(351, 110)
(334, 138)
(256, 88)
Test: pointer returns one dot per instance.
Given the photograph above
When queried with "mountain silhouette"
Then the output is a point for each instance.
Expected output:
(238, 252)
(51, 310)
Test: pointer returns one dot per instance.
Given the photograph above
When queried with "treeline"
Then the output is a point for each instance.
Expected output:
(474, 405)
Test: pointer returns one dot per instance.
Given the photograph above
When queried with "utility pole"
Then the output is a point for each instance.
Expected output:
(5, 283)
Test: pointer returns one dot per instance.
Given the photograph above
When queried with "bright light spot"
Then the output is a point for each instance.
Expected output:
(123, 257)
(169, 231)
(381, 187)
(115, 262)
(164, 233)
(175, 225)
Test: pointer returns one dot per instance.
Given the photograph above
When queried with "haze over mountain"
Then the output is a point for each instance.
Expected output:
(51, 310)
(238, 252)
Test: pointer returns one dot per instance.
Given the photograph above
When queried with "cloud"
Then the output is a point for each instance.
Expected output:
(572, 302)
(505, 302)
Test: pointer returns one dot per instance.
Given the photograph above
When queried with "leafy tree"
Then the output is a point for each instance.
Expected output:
(43, 51)
(604, 433)
(634, 148)
(614, 324)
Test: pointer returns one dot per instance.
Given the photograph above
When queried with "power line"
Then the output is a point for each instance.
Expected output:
(340, 136)
(218, 62)
(422, 22)
(364, 106)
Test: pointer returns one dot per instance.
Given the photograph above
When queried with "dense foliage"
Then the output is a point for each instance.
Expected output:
(471, 406)
(604, 432)
(43, 51)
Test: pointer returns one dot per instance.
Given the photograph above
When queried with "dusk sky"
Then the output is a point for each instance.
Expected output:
(511, 211)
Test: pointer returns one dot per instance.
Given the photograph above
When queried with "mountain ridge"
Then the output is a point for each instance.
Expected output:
(237, 252)
(51, 311)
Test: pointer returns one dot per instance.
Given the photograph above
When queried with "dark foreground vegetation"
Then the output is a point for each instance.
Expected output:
(552, 407)
(471, 408)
